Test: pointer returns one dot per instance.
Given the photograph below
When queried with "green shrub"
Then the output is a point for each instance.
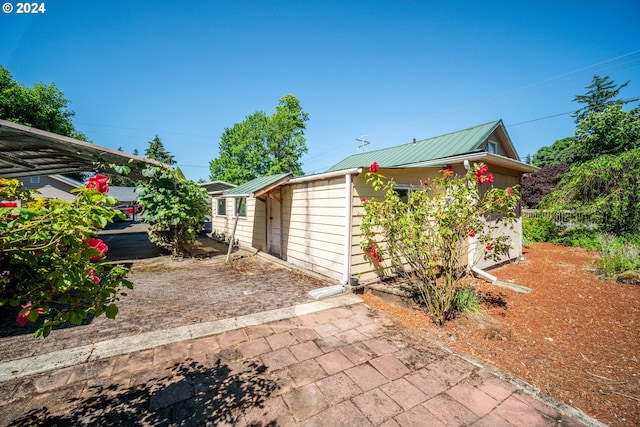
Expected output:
(466, 300)
(539, 230)
(579, 237)
(617, 254)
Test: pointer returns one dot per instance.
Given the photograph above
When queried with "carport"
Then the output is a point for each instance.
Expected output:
(27, 151)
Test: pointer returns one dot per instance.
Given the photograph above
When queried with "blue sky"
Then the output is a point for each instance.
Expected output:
(390, 70)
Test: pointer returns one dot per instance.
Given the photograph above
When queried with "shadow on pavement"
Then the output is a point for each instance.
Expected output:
(190, 394)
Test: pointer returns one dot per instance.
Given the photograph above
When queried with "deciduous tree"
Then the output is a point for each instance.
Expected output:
(263, 145)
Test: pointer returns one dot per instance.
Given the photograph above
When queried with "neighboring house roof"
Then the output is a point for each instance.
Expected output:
(27, 151)
(217, 187)
(258, 186)
(73, 183)
(425, 152)
(123, 194)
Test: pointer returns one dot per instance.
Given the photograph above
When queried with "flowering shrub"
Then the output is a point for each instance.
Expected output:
(51, 263)
(426, 239)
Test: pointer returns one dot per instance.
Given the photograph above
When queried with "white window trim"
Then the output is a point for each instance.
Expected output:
(236, 202)
(218, 200)
(34, 180)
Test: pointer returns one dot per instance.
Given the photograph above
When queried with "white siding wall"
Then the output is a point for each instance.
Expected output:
(362, 264)
(251, 231)
(313, 222)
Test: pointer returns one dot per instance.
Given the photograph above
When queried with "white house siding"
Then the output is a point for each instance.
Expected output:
(362, 265)
(313, 225)
(503, 178)
(251, 231)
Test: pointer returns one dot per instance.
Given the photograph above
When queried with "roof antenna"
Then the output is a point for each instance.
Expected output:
(363, 142)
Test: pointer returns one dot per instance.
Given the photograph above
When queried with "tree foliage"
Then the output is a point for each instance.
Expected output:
(564, 150)
(156, 151)
(263, 145)
(606, 190)
(537, 185)
(51, 263)
(174, 208)
(41, 106)
(426, 237)
(602, 93)
(608, 132)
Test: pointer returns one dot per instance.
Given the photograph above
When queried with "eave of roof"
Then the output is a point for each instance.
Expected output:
(258, 186)
(483, 156)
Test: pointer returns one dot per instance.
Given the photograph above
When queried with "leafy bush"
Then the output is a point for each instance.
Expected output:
(617, 254)
(539, 230)
(605, 191)
(50, 261)
(537, 185)
(174, 208)
(579, 237)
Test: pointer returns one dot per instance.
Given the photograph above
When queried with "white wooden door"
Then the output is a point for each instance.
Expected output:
(274, 227)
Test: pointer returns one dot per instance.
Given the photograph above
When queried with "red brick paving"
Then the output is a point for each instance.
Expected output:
(344, 366)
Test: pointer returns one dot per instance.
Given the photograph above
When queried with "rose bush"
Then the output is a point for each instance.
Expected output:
(426, 238)
(51, 263)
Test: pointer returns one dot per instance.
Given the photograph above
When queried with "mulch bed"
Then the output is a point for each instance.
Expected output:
(575, 336)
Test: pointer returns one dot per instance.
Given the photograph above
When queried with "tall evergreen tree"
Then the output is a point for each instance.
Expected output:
(602, 93)
(156, 151)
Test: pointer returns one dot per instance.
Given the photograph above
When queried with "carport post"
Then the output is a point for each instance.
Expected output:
(233, 233)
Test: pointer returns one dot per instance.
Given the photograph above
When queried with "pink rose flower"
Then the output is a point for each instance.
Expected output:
(510, 191)
(425, 182)
(447, 172)
(92, 276)
(99, 245)
(363, 199)
(23, 318)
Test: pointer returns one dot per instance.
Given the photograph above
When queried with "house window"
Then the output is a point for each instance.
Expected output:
(34, 180)
(221, 207)
(403, 191)
(492, 147)
(242, 203)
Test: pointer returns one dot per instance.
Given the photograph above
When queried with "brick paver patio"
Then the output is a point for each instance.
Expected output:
(344, 366)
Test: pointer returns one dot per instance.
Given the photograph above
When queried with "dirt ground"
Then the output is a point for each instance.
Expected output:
(170, 293)
(575, 337)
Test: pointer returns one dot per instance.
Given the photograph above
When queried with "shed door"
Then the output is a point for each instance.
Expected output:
(274, 227)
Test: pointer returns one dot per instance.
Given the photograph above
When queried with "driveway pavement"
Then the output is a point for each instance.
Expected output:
(333, 362)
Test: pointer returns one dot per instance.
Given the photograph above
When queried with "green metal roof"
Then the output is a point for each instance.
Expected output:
(252, 187)
(451, 144)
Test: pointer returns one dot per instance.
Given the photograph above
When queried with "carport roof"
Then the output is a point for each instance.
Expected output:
(27, 151)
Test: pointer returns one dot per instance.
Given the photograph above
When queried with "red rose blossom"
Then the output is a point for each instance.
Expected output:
(363, 199)
(425, 182)
(99, 182)
(447, 172)
(99, 245)
(510, 191)
(375, 167)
